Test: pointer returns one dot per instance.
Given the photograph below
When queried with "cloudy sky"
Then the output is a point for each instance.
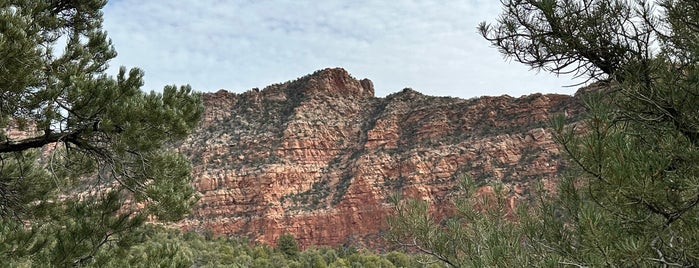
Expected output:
(431, 46)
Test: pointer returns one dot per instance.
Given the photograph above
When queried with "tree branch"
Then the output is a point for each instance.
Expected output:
(37, 142)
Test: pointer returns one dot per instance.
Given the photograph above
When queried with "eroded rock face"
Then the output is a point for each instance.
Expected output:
(319, 156)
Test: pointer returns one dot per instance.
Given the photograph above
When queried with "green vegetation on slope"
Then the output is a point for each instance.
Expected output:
(161, 247)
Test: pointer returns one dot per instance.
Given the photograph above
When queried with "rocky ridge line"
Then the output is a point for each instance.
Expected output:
(318, 156)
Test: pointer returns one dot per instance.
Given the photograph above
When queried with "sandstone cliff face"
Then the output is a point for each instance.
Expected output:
(319, 156)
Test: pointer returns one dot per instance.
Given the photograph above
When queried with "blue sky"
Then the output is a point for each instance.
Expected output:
(429, 45)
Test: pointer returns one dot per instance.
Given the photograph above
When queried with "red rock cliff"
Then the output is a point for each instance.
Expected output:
(318, 156)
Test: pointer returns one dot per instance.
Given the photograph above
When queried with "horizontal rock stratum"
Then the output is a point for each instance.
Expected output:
(318, 157)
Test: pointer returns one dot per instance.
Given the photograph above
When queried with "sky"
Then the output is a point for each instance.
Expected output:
(431, 46)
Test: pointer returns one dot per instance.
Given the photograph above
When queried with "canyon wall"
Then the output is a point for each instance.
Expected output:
(319, 157)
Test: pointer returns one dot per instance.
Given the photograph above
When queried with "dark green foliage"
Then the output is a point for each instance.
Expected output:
(310, 199)
(287, 244)
(479, 235)
(161, 247)
(342, 187)
(632, 197)
(91, 145)
(632, 189)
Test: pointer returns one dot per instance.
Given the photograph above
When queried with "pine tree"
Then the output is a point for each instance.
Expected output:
(480, 234)
(631, 193)
(286, 243)
(83, 158)
(633, 197)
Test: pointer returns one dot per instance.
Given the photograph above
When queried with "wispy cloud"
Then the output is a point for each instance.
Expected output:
(431, 45)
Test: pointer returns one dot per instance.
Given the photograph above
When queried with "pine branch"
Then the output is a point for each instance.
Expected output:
(38, 142)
